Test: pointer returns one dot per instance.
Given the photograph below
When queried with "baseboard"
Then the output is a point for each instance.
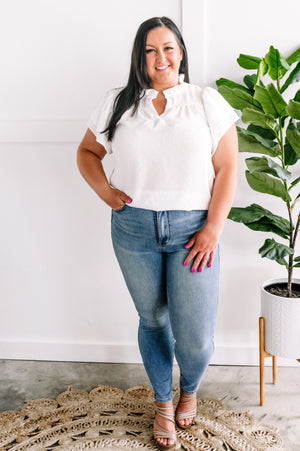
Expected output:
(69, 352)
(93, 352)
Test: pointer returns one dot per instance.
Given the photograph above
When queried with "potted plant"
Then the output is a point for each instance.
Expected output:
(273, 136)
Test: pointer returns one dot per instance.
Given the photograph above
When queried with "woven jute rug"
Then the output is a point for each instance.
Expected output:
(113, 419)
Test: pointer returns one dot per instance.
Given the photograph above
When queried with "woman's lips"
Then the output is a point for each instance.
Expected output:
(161, 68)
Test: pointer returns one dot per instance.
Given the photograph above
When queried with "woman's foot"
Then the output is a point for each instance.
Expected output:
(186, 410)
(164, 426)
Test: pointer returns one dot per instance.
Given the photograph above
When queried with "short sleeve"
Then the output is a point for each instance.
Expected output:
(219, 114)
(99, 119)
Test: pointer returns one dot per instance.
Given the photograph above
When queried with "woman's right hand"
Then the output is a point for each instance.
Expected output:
(89, 160)
(116, 199)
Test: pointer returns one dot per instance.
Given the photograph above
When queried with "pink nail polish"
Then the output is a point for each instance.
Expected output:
(209, 266)
(185, 264)
(193, 270)
(129, 200)
(186, 246)
(200, 269)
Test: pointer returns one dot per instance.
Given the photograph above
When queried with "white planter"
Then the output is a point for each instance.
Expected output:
(282, 322)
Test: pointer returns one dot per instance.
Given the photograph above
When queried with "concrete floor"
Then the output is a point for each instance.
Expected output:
(237, 387)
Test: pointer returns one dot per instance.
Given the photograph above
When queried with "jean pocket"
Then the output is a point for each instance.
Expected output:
(119, 209)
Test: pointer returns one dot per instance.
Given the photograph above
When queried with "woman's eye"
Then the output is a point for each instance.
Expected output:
(149, 50)
(169, 48)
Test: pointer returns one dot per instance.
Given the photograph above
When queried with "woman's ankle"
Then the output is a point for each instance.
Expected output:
(164, 404)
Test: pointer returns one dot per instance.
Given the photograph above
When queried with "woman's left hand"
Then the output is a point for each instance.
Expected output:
(203, 247)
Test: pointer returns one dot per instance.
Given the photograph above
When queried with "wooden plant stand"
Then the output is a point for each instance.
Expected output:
(262, 355)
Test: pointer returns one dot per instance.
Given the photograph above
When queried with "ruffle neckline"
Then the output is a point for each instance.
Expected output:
(152, 93)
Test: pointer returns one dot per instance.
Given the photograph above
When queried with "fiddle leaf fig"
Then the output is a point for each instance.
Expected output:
(294, 77)
(264, 164)
(290, 156)
(273, 131)
(293, 137)
(262, 95)
(263, 132)
(277, 65)
(263, 183)
(271, 100)
(231, 84)
(252, 142)
(297, 96)
(248, 62)
(250, 81)
(293, 109)
(295, 182)
(275, 251)
(262, 70)
(258, 118)
(238, 98)
(258, 218)
(294, 57)
(295, 201)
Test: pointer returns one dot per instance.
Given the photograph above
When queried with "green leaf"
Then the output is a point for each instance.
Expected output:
(230, 84)
(263, 132)
(258, 118)
(264, 164)
(249, 81)
(276, 98)
(253, 143)
(283, 262)
(297, 96)
(294, 77)
(258, 218)
(275, 251)
(290, 156)
(262, 96)
(263, 183)
(238, 99)
(248, 62)
(294, 57)
(262, 70)
(295, 201)
(260, 138)
(278, 66)
(295, 182)
(271, 100)
(297, 259)
(293, 137)
(293, 109)
(297, 265)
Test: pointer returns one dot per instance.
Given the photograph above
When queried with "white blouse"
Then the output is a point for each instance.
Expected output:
(164, 162)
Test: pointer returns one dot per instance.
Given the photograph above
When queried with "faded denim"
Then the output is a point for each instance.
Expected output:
(177, 308)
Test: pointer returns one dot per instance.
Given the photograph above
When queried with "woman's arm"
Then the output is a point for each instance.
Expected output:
(225, 160)
(90, 154)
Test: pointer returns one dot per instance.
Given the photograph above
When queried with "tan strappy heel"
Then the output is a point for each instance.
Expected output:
(185, 398)
(161, 432)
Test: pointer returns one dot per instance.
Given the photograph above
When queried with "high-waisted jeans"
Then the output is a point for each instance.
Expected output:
(177, 308)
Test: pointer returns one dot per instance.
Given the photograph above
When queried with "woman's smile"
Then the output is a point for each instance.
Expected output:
(163, 58)
(162, 68)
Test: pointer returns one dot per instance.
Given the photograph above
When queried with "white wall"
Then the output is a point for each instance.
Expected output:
(62, 293)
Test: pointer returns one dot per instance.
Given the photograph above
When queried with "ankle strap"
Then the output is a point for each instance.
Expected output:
(185, 398)
(165, 412)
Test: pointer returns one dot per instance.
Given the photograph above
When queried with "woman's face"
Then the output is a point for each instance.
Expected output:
(163, 57)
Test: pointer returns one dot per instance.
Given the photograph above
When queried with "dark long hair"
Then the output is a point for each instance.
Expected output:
(138, 79)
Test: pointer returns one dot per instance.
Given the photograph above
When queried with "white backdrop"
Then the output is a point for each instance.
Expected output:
(62, 293)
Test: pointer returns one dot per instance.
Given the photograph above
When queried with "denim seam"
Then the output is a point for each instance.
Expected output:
(159, 236)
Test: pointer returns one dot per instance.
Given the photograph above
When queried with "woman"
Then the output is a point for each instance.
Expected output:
(175, 148)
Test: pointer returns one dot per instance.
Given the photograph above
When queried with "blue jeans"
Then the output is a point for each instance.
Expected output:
(177, 308)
